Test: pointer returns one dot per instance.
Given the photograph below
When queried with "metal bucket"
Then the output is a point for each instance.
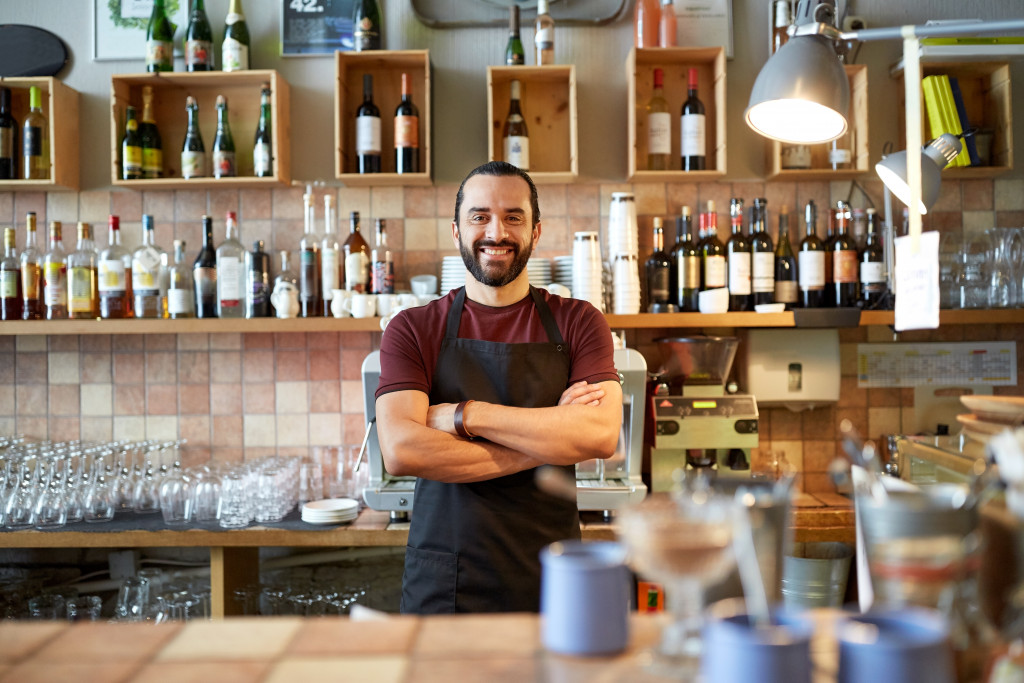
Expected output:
(816, 575)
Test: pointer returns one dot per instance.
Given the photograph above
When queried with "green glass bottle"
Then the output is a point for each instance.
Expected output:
(198, 39)
(235, 48)
(223, 144)
(515, 55)
(159, 40)
(193, 152)
(366, 25)
(262, 150)
(35, 139)
(131, 147)
(152, 146)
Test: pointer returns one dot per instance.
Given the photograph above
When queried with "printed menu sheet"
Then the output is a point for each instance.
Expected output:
(939, 364)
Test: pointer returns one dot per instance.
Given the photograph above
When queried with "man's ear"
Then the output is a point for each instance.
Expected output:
(455, 234)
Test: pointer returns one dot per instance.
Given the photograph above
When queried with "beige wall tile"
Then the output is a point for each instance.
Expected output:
(162, 427)
(63, 207)
(352, 199)
(97, 399)
(385, 202)
(292, 430)
(31, 399)
(226, 341)
(96, 367)
(130, 427)
(978, 221)
(421, 233)
(193, 342)
(292, 397)
(225, 366)
(1009, 194)
(30, 342)
(93, 207)
(97, 428)
(259, 430)
(7, 399)
(324, 429)
(352, 396)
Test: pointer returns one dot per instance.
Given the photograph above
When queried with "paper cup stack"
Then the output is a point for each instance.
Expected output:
(624, 253)
(586, 269)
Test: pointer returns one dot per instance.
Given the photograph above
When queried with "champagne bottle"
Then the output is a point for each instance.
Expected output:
(83, 280)
(659, 127)
(131, 147)
(712, 263)
(223, 144)
(786, 289)
(198, 39)
(115, 269)
(204, 274)
(514, 53)
(10, 279)
(8, 138)
(738, 260)
(872, 265)
(55, 276)
(844, 260)
(515, 138)
(231, 272)
(357, 258)
(686, 264)
(257, 291)
(310, 273)
(31, 273)
(159, 40)
(35, 139)
(368, 131)
(382, 276)
(407, 131)
(262, 149)
(366, 25)
(544, 34)
(148, 274)
(667, 26)
(657, 270)
(692, 140)
(811, 262)
(152, 146)
(330, 265)
(181, 301)
(235, 48)
(193, 152)
(762, 256)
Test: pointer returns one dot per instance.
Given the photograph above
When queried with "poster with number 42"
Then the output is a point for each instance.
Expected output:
(316, 27)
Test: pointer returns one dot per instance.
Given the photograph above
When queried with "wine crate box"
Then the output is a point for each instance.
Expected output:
(675, 63)
(386, 67)
(821, 168)
(242, 91)
(548, 103)
(60, 107)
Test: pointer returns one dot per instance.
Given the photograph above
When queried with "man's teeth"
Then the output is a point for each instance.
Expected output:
(495, 252)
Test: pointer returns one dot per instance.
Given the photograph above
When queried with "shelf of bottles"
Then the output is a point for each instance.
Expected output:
(60, 109)
(676, 64)
(548, 106)
(385, 67)
(242, 92)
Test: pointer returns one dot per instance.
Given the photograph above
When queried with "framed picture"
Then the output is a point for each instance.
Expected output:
(316, 27)
(119, 27)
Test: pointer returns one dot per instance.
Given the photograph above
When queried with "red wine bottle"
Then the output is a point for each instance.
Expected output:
(811, 263)
(692, 139)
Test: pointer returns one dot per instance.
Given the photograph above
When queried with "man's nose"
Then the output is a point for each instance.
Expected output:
(496, 229)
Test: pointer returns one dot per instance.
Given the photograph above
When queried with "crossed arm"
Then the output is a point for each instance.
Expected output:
(418, 439)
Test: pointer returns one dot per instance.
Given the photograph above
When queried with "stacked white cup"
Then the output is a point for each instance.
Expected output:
(624, 253)
(586, 268)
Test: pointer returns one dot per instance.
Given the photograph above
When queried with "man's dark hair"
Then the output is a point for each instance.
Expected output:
(500, 168)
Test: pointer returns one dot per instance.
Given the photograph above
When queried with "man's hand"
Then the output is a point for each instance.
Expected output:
(582, 394)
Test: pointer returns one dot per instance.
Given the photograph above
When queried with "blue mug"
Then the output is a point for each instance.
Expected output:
(737, 650)
(910, 644)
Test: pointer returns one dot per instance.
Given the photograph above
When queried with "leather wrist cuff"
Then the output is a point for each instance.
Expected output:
(460, 427)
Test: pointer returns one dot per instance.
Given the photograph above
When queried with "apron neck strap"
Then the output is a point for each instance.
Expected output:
(546, 318)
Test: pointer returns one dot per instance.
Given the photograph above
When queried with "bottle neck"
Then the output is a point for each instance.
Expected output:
(208, 233)
(812, 230)
(114, 236)
(659, 239)
(148, 239)
(191, 114)
(222, 118)
(179, 255)
(30, 238)
(235, 7)
(783, 228)
(198, 5)
(231, 229)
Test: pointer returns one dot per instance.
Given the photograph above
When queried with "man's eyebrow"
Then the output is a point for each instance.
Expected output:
(487, 209)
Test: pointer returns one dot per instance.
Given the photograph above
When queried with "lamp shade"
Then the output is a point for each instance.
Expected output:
(802, 94)
(934, 157)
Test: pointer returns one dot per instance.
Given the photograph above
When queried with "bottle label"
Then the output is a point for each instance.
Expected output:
(811, 265)
(689, 272)
(383, 277)
(839, 156)
(148, 261)
(147, 303)
(307, 275)
(198, 53)
(714, 272)
(80, 290)
(691, 135)
(659, 133)
(233, 18)
(357, 267)
(205, 279)
(260, 291)
(193, 164)
(329, 275)
(159, 53)
(112, 276)
(739, 274)
(872, 273)
(407, 131)
(544, 38)
(6, 143)
(131, 160)
(517, 151)
(152, 162)
(763, 267)
(9, 284)
(32, 145)
(235, 55)
(261, 159)
(367, 135)
(179, 301)
(786, 291)
(657, 286)
(844, 266)
(55, 284)
(223, 164)
(364, 35)
(796, 156)
(229, 271)
(30, 281)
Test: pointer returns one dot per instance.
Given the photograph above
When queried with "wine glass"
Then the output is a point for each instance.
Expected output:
(684, 541)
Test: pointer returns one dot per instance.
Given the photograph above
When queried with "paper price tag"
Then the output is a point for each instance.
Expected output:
(917, 283)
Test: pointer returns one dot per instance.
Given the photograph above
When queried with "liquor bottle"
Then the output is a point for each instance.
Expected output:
(152, 146)
(667, 24)
(844, 260)
(872, 265)
(514, 53)
(691, 141)
(646, 18)
(35, 139)
(368, 130)
(231, 272)
(223, 144)
(159, 40)
(193, 152)
(712, 261)
(811, 262)
(131, 147)
(83, 279)
(738, 259)
(366, 25)
(181, 302)
(515, 138)
(198, 39)
(330, 265)
(31, 273)
(8, 138)
(235, 48)
(786, 289)
(115, 267)
(10, 279)
(382, 277)
(407, 132)
(544, 35)
(262, 148)
(657, 269)
(826, 244)
(148, 274)
(659, 127)
(257, 283)
(357, 258)
(685, 259)
(762, 254)
(55, 277)
(780, 27)
(204, 274)
(310, 273)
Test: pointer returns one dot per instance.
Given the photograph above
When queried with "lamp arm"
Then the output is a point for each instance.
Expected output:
(933, 30)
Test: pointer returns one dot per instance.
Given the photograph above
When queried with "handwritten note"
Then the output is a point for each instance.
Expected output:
(917, 282)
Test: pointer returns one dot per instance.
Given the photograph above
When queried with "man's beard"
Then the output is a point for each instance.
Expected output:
(470, 257)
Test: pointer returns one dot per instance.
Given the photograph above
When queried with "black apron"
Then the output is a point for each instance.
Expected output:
(474, 547)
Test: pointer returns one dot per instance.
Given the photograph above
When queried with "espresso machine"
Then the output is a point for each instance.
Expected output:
(602, 485)
(698, 425)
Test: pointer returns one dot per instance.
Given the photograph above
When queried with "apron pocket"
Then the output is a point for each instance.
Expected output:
(428, 586)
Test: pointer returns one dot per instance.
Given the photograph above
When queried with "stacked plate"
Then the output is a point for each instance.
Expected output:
(539, 271)
(453, 274)
(563, 270)
(330, 511)
(992, 415)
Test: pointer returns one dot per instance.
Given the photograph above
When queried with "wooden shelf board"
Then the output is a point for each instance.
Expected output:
(48, 185)
(675, 176)
(825, 174)
(198, 183)
(189, 326)
(972, 172)
(552, 177)
(662, 320)
(389, 179)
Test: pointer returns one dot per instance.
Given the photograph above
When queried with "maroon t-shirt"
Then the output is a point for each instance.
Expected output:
(412, 341)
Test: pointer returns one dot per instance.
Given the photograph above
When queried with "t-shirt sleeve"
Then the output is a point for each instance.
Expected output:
(402, 365)
(590, 345)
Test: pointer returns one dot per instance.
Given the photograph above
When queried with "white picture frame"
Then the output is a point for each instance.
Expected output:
(119, 28)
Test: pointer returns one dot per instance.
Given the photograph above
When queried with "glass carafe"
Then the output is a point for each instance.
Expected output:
(1002, 280)
(973, 278)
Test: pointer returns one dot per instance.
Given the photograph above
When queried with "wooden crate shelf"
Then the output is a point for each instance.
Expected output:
(60, 106)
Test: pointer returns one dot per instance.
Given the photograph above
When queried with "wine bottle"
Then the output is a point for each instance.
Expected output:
(223, 144)
(366, 25)
(515, 138)
(35, 139)
(159, 40)
(544, 34)
(115, 268)
(811, 262)
(762, 254)
(738, 260)
(8, 138)
(692, 141)
(657, 269)
(263, 149)
(844, 260)
(231, 272)
(872, 265)
(310, 274)
(330, 265)
(131, 147)
(667, 26)
(148, 276)
(55, 276)
(646, 18)
(686, 261)
(152, 146)
(235, 48)
(382, 269)
(407, 131)
(659, 127)
(780, 27)
(357, 258)
(257, 287)
(181, 302)
(368, 130)
(31, 273)
(826, 244)
(83, 280)
(514, 53)
(10, 279)
(712, 263)
(198, 39)
(204, 274)
(193, 152)
(786, 289)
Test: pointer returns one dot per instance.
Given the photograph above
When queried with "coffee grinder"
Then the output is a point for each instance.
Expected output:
(697, 424)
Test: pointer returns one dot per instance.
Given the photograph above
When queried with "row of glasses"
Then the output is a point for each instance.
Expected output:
(982, 269)
(299, 598)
